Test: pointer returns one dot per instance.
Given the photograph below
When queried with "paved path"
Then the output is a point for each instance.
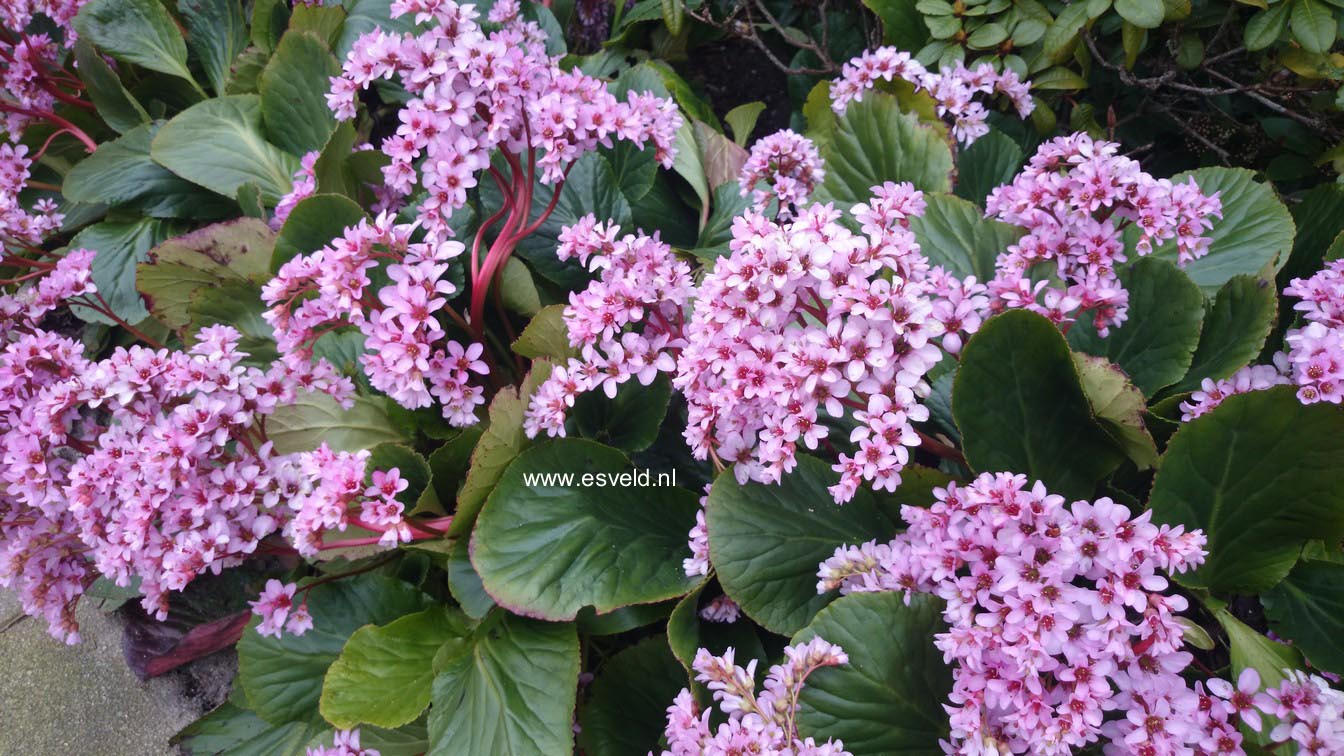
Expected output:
(58, 700)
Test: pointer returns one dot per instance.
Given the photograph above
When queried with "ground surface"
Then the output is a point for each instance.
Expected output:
(82, 700)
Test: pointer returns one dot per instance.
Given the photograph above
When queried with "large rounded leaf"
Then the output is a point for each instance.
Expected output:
(122, 174)
(232, 252)
(766, 541)
(954, 233)
(509, 690)
(1234, 331)
(874, 142)
(991, 161)
(315, 419)
(1256, 229)
(136, 31)
(889, 698)
(1156, 344)
(1261, 474)
(1307, 608)
(219, 145)
(383, 675)
(121, 246)
(294, 93)
(283, 676)
(566, 528)
(627, 704)
(1021, 408)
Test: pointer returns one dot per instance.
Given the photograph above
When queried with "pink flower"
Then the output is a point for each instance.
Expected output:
(275, 607)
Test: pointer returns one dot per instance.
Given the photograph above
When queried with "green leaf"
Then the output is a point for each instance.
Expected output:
(1119, 408)
(313, 224)
(511, 691)
(502, 441)
(239, 306)
(1234, 331)
(233, 730)
(954, 233)
(1267, 26)
(120, 245)
(687, 632)
(236, 251)
(902, 25)
(991, 161)
(630, 420)
(384, 674)
(1058, 78)
(874, 142)
(547, 547)
(1314, 26)
(121, 174)
(1062, 37)
(314, 419)
(546, 335)
(270, 18)
(117, 107)
(726, 205)
(419, 495)
(765, 541)
(1020, 406)
(1145, 14)
(517, 291)
(1251, 649)
(324, 21)
(293, 93)
(889, 698)
(591, 187)
(634, 169)
(465, 584)
(136, 31)
(219, 145)
(1255, 230)
(1307, 608)
(742, 120)
(623, 620)
(1157, 342)
(1260, 475)
(216, 33)
(283, 676)
(627, 704)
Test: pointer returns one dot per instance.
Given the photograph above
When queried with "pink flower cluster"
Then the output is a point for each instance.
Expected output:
(758, 723)
(408, 355)
(785, 167)
(642, 283)
(953, 89)
(18, 223)
(1316, 351)
(474, 92)
(28, 60)
(1211, 393)
(304, 185)
(346, 743)
(809, 317)
(1075, 198)
(275, 606)
(1055, 616)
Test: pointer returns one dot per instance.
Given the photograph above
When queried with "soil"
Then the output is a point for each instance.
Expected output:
(733, 72)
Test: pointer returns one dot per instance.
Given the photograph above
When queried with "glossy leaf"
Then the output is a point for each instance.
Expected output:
(216, 33)
(1234, 331)
(136, 31)
(313, 224)
(117, 106)
(121, 245)
(954, 233)
(219, 145)
(628, 421)
(314, 419)
(991, 161)
(293, 90)
(1307, 608)
(627, 704)
(122, 174)
(236, 251)
(874, 142)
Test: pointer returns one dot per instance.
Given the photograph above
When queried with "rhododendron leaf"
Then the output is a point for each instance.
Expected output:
(384, 673)
(954, 233)
(1234, 331)
(501, 442)
(363, 16)
(726, 204)
(313, 224)
(765, 541)
(1314, 25)
(902, 25)
(136, 31)
(314, 419)
(626, 708)
(630, 421)
(216, 33)
(122, 174)
(236, 251)
(117, 106)
(219, 145)
(239, 306)
(464, 584)
(121, 246)
(510, 691)
(1145, 14)
(293, 93)
(990, 161)
(1156, 344)
(1118, 406)
(233, 730)
(1307, 608)
(889, 698)
(283, 676)
(419, 495)
(1020, 406)
(546, 335)
(546, 548)
(1256, 229)
(1260, 475)
(873, 141)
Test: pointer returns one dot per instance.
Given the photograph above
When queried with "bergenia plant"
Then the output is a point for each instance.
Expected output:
(493, 381)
